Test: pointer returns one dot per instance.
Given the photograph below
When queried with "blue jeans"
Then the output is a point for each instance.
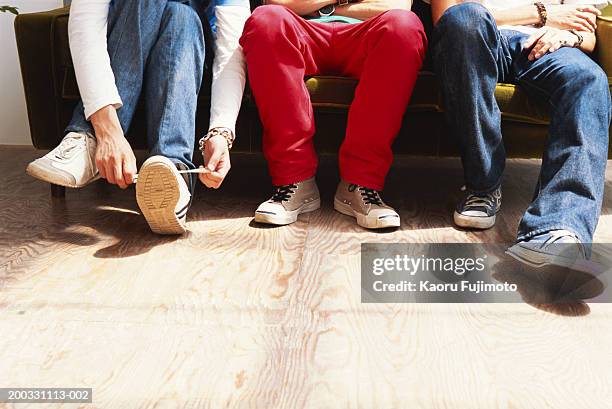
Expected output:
(471, 56)
(156, 47)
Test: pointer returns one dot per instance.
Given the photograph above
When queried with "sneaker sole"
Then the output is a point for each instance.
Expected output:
(289, 217)
(157, 193)
(472, 222)
(368, 222)
(49, 177)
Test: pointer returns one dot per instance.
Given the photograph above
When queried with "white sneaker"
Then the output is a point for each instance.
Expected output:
(71, 164)
(163, 196)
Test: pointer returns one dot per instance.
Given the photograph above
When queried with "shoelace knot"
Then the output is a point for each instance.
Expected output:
(283, 193)
(369, 196)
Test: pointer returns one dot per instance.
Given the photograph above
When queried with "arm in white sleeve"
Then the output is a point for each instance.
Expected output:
(87, 31)
(229, 74)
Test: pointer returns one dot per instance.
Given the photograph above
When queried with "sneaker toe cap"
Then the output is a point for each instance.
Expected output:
(384, 214)
(44, 170)
(270, 208)
(474, 213)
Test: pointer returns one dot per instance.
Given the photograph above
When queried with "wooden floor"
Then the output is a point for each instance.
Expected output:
(234, 315)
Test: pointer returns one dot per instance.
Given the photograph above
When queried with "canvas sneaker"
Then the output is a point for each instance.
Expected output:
(556, 247)
(72, 163)
(365, 205)
(288, 202)
(557, 268)
(478, 211)
(163, 196)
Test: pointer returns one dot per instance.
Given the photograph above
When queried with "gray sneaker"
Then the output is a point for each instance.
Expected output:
(365, 205)
(560, 248)
(288, 202)
(557, 269)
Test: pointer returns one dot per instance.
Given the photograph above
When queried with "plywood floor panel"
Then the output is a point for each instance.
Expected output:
(235, 315)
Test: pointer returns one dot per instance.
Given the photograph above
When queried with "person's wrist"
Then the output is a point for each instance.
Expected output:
(215, 133)
(105, 122)
(215, 140)
(534, 18)
(103, 114)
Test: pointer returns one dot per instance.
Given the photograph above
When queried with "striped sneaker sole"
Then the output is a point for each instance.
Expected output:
(157, 193)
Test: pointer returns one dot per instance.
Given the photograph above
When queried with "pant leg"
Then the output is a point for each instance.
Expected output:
(281, 48)
(386, 53)
(470, 57)
(570, 187)
(173, 76)
(133, 26)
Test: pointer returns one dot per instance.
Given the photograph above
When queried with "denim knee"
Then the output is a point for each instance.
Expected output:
(465, 21)
(595, 78)
(184, 18)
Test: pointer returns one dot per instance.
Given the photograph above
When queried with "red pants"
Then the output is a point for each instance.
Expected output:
(385, 53)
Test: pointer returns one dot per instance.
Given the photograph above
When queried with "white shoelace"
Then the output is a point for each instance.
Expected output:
(557, 237)
(474, 200)
(69, 146)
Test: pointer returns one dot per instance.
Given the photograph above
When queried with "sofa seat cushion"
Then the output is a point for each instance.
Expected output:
(338, 92)
(515, 105)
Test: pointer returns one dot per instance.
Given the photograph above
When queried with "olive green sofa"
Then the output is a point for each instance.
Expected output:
(51, 94)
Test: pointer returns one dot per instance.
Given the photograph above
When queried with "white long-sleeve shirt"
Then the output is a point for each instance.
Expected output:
(229, 76)
(87, 31)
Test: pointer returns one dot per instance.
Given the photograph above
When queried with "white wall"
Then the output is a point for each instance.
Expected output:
(14, 129)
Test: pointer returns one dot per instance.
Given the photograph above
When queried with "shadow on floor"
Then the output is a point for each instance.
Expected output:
(556, 290)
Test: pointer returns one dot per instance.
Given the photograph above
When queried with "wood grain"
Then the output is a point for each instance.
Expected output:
(235, 315)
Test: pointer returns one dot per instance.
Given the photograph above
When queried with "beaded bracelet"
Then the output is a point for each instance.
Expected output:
(542, 13)
(224, 132)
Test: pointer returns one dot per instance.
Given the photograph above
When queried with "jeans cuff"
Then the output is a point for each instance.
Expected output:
(85, 128)
(531, 234)
(483, 191)
(189, 165)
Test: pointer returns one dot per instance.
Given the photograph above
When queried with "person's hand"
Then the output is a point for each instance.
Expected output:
(572, 16)
(216, 161)
(548, 40)
(114, 156)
